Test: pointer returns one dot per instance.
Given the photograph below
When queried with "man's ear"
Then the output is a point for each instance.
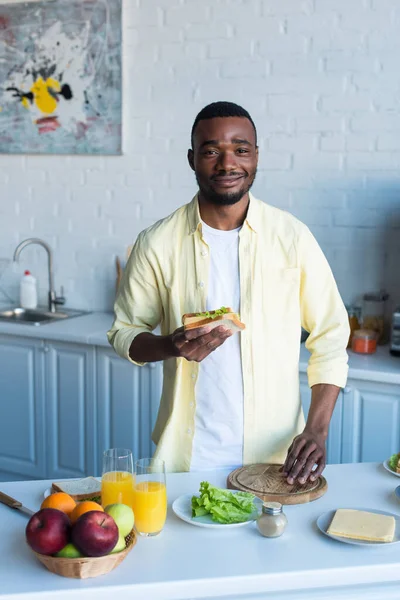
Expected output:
(190, 156)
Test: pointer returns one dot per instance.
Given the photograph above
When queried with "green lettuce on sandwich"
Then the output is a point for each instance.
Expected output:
(213, 318)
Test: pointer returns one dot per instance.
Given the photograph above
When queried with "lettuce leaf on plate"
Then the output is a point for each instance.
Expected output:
(393, 461)
(223, 506)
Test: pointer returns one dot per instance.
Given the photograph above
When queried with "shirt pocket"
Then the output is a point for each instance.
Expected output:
(283, 300)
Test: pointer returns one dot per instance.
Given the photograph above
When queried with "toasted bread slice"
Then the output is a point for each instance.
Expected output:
(79, 489)
(230, 320)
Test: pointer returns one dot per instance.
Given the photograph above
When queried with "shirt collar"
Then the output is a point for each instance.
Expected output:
(194, 219)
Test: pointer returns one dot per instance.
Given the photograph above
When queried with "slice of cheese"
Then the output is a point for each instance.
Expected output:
(362, 525)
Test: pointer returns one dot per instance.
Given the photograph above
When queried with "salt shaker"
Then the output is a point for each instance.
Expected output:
(272, 521)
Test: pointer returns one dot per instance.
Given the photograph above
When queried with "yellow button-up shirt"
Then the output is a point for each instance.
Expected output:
(285, 283)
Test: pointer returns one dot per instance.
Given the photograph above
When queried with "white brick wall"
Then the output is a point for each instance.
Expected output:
(321, 80)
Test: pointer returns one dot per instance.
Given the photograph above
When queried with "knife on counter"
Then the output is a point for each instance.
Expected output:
(15, 504)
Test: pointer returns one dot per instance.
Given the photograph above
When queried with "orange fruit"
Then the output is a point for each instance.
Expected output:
(84, 507)
(60, 501)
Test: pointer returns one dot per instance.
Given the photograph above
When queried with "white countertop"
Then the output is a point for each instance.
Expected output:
(380, 366)
(85, 329)
(92, 328)
(190, 562)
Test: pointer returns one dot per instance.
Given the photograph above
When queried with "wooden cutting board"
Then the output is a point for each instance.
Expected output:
(269, 484)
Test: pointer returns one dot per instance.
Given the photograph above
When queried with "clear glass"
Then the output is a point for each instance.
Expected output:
(150, 496)
(374, 313)
(118, 477)
(354, 313)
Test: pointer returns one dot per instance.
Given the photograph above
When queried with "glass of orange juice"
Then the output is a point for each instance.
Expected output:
(150, 496)
(117, 477)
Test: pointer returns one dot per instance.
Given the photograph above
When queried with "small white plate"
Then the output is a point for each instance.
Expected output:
(324, 521)
(182, 507)
(386, 465)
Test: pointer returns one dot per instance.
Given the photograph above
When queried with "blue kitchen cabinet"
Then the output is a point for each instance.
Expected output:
(70, 410)
(371, 421)
(22, 431)
(334, 441)
(365, 426)
(128, 397)
(305, 394)
(63, 404)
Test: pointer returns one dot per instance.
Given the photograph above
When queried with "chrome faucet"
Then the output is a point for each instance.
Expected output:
(53, 298)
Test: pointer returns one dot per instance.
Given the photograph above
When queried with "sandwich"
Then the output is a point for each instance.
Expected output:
(213, 318)
(88, 488)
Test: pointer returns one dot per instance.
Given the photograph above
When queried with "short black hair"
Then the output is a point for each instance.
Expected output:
(221, 109)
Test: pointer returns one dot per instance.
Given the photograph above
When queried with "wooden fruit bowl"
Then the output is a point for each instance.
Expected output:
(85, 567)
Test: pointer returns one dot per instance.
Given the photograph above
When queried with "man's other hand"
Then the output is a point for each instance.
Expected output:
(196, 344)
(306, 452)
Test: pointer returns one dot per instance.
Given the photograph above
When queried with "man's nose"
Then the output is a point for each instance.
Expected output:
(226, 161)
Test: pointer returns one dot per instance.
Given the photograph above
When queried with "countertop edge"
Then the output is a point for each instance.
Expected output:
(85, 329)
(365, 374)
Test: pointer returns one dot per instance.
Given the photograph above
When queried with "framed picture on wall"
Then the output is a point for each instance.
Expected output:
(61, 77)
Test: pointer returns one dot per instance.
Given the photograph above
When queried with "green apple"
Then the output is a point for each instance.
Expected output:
(69, 551)
(123, 516)
(120, 545)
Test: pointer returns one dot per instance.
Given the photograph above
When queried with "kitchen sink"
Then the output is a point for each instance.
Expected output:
(40, 316)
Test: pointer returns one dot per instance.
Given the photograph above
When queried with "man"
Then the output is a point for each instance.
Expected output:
(233, 400)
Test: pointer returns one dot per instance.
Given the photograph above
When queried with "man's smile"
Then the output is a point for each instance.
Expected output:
(227, 181)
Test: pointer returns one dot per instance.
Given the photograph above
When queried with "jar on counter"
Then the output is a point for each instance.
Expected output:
(272, 521)
(354, 313)
(374, 313)
(364, 341)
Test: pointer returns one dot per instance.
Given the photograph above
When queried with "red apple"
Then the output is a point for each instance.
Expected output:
(48, 531)
(95, 533)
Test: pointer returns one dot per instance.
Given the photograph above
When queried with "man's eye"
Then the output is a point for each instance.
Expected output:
(210, 152)
(242, 150)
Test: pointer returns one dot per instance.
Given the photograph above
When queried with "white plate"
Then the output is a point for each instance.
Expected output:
(324, 521)
(386, 465)
(182, 507)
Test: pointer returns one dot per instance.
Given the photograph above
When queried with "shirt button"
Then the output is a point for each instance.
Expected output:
(191, 404)
(201, 283)
(189, 431)
(204, 252)
(193, 229)
(193, 375)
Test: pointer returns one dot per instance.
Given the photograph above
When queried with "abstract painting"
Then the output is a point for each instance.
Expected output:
(61, 77)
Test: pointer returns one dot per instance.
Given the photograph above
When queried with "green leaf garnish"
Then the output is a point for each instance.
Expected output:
(213, 315)
(223, 506)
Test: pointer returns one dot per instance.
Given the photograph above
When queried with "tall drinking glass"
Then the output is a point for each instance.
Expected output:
(117, 477)
(150, 496)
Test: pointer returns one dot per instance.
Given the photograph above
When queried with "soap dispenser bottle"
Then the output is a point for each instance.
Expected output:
(28, 291)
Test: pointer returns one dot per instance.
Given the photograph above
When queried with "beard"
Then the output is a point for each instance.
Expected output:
(227, 198)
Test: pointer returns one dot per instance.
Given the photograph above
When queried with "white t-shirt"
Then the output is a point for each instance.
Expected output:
(218, 438)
